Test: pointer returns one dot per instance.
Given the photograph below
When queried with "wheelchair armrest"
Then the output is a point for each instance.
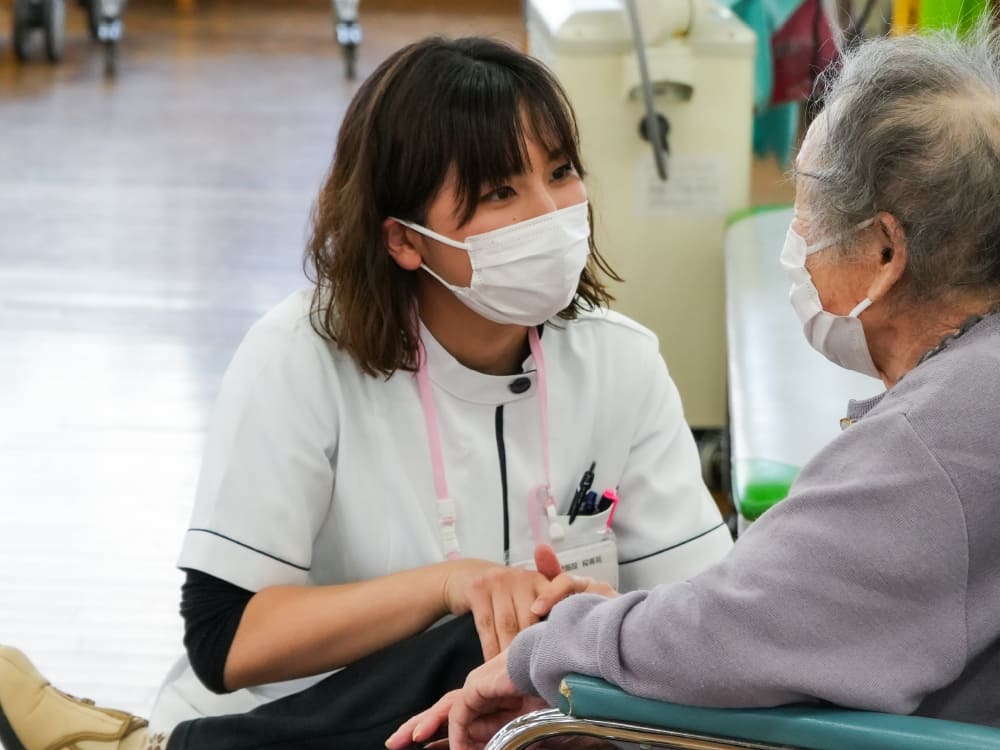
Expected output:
(800, 726)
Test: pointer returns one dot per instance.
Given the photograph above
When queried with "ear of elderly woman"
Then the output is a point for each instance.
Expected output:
(876, 583)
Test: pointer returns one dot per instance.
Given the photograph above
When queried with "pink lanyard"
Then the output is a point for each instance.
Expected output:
(445, 505)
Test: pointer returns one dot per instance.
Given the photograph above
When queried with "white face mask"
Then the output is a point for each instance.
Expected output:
(840, 338)
(525, 273)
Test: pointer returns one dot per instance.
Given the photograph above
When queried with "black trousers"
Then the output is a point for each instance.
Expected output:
(354, 709)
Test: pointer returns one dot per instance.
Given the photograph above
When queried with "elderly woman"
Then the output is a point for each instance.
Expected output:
(876, 583)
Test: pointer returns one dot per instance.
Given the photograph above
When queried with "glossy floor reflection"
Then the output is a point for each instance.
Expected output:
(144, 225)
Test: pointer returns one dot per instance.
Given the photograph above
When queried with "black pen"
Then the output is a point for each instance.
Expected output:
(581, 491)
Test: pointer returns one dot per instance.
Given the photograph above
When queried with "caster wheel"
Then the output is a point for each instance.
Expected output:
(54, 22)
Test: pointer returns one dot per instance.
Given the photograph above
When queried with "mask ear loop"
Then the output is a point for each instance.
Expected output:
(432, 234)
(860, 308)
(824, 244)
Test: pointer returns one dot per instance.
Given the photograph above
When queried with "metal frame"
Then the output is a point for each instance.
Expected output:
(547, 723)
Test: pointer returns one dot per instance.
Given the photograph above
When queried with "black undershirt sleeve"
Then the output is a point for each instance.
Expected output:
(212, 609)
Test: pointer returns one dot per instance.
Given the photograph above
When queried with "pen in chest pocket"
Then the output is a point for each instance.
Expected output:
(591, 505)
(581, 491)
(609, 499)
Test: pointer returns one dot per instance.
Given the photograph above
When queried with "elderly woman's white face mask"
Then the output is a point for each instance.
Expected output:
(840, 338)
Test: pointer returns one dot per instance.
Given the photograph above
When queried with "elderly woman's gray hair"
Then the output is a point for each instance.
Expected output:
(912, 127)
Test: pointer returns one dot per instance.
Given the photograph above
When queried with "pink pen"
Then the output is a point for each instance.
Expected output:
(613, 497)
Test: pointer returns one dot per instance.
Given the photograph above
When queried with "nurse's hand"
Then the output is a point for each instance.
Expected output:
(502, 599)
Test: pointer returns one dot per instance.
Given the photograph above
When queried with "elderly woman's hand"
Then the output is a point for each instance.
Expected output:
(473, 713)
(486, 702)
(421, 728)
(565, 585)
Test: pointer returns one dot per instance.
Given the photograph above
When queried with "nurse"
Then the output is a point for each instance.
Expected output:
(402, 441)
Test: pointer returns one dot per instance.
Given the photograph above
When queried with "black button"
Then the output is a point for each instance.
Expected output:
(520, 385)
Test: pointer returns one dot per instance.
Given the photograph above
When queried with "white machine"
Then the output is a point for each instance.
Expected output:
(665, 237)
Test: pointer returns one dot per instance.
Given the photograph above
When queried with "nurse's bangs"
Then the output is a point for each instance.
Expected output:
(488, 119)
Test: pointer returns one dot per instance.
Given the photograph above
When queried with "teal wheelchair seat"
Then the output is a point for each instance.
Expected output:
(593, 708)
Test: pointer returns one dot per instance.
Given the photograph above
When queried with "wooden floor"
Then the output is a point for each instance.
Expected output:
(144, 224)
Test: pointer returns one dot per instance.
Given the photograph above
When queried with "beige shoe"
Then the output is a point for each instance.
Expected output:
(36, 716)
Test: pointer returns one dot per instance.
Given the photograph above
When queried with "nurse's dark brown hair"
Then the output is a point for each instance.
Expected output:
(431, 105)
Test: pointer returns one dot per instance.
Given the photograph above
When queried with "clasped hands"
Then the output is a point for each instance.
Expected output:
(503, 601)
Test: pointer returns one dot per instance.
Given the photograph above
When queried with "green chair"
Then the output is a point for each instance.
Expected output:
(592, 708)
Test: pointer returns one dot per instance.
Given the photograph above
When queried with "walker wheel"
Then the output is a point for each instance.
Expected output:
(54, 21)
(22, 27)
